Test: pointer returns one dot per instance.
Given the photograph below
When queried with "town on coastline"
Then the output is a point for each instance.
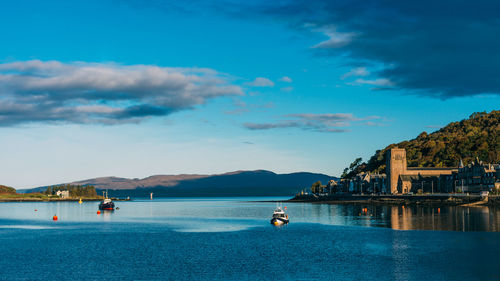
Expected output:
(475, 182)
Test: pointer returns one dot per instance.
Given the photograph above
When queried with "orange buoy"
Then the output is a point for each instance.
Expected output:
(54, 218)
(98, 212)
(439, 210)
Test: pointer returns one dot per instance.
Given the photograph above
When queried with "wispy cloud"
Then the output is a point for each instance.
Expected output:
(327, 123)
(434, 126)
(374, 82)
(336, 39)
(356, 72)
(104, 93)
(261, 82)
(241, 107)
(286, 79)
(286, 89)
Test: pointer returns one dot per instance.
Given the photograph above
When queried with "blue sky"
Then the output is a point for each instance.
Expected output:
(137, 88)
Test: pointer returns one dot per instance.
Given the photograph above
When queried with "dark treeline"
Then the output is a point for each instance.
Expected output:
(74, 190)
(477, 136)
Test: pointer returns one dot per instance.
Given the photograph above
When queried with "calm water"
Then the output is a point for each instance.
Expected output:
(231, 238)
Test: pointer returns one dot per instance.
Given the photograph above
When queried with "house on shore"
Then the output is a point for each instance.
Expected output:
(475, 177)
(63, 193)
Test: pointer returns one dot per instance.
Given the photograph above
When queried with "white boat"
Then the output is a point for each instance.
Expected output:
(279, 217)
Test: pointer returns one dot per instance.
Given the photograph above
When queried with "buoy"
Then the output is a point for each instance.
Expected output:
(276, 223)
(36, 210)
(439, 210)
(54, 218)
(98, 212)
(80, 202)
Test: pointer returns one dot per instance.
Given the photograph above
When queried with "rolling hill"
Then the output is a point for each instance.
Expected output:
(239, 183)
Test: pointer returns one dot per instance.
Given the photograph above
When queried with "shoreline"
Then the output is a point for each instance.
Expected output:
(428, 199)
(21, 199)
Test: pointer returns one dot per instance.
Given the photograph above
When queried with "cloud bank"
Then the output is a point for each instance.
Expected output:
(325, 123)
(439, 49)
(102, 93)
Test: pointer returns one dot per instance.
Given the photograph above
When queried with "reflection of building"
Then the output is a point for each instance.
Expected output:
(401, 218)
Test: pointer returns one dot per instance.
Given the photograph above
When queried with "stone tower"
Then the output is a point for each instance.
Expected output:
(396, 165)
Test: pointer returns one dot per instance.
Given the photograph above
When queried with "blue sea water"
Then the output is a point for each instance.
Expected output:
(231, 239)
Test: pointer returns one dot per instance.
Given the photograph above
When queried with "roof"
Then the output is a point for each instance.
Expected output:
(430, 168)
(416, 177)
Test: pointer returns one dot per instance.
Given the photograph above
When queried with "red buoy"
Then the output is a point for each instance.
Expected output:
(54, 217)
(36, 210)
(98, 212)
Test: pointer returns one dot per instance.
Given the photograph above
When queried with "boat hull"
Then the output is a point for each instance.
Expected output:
(279, 221)
(107, 206)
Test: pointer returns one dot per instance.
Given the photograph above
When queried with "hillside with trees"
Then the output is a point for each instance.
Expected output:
(74, 190)
(477, 136)
(7, 190)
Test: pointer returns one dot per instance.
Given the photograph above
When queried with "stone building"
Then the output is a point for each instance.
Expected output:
(477, 177)
(403, 179)
(368, 183)
(400, 179)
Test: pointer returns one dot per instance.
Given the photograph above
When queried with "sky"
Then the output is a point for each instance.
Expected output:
(138, 88)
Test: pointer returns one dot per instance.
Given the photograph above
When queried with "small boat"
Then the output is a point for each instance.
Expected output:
(279, 217)
(106, 203)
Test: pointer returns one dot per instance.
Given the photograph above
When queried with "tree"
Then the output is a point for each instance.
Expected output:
(315, 187)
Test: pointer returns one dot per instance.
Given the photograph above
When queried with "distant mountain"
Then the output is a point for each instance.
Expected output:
(477, 136)
(239, 183)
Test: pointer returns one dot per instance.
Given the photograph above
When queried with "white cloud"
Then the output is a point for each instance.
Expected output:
(375, 82)
(81, 92)
(261, 82)
(286, 79)
(356, 72)
(287, 89)
(327, 123)
(336, 39)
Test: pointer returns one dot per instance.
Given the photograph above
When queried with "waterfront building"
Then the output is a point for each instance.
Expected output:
(475, 177)
(403, 179)
(478, 176)
(63, 193)
(368, 183)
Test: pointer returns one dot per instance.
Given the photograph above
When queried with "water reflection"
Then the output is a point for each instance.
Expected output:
(232, 214)
(478, 218)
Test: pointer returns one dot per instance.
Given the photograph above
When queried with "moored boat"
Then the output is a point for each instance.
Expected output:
(107, 203)
(279, 217)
